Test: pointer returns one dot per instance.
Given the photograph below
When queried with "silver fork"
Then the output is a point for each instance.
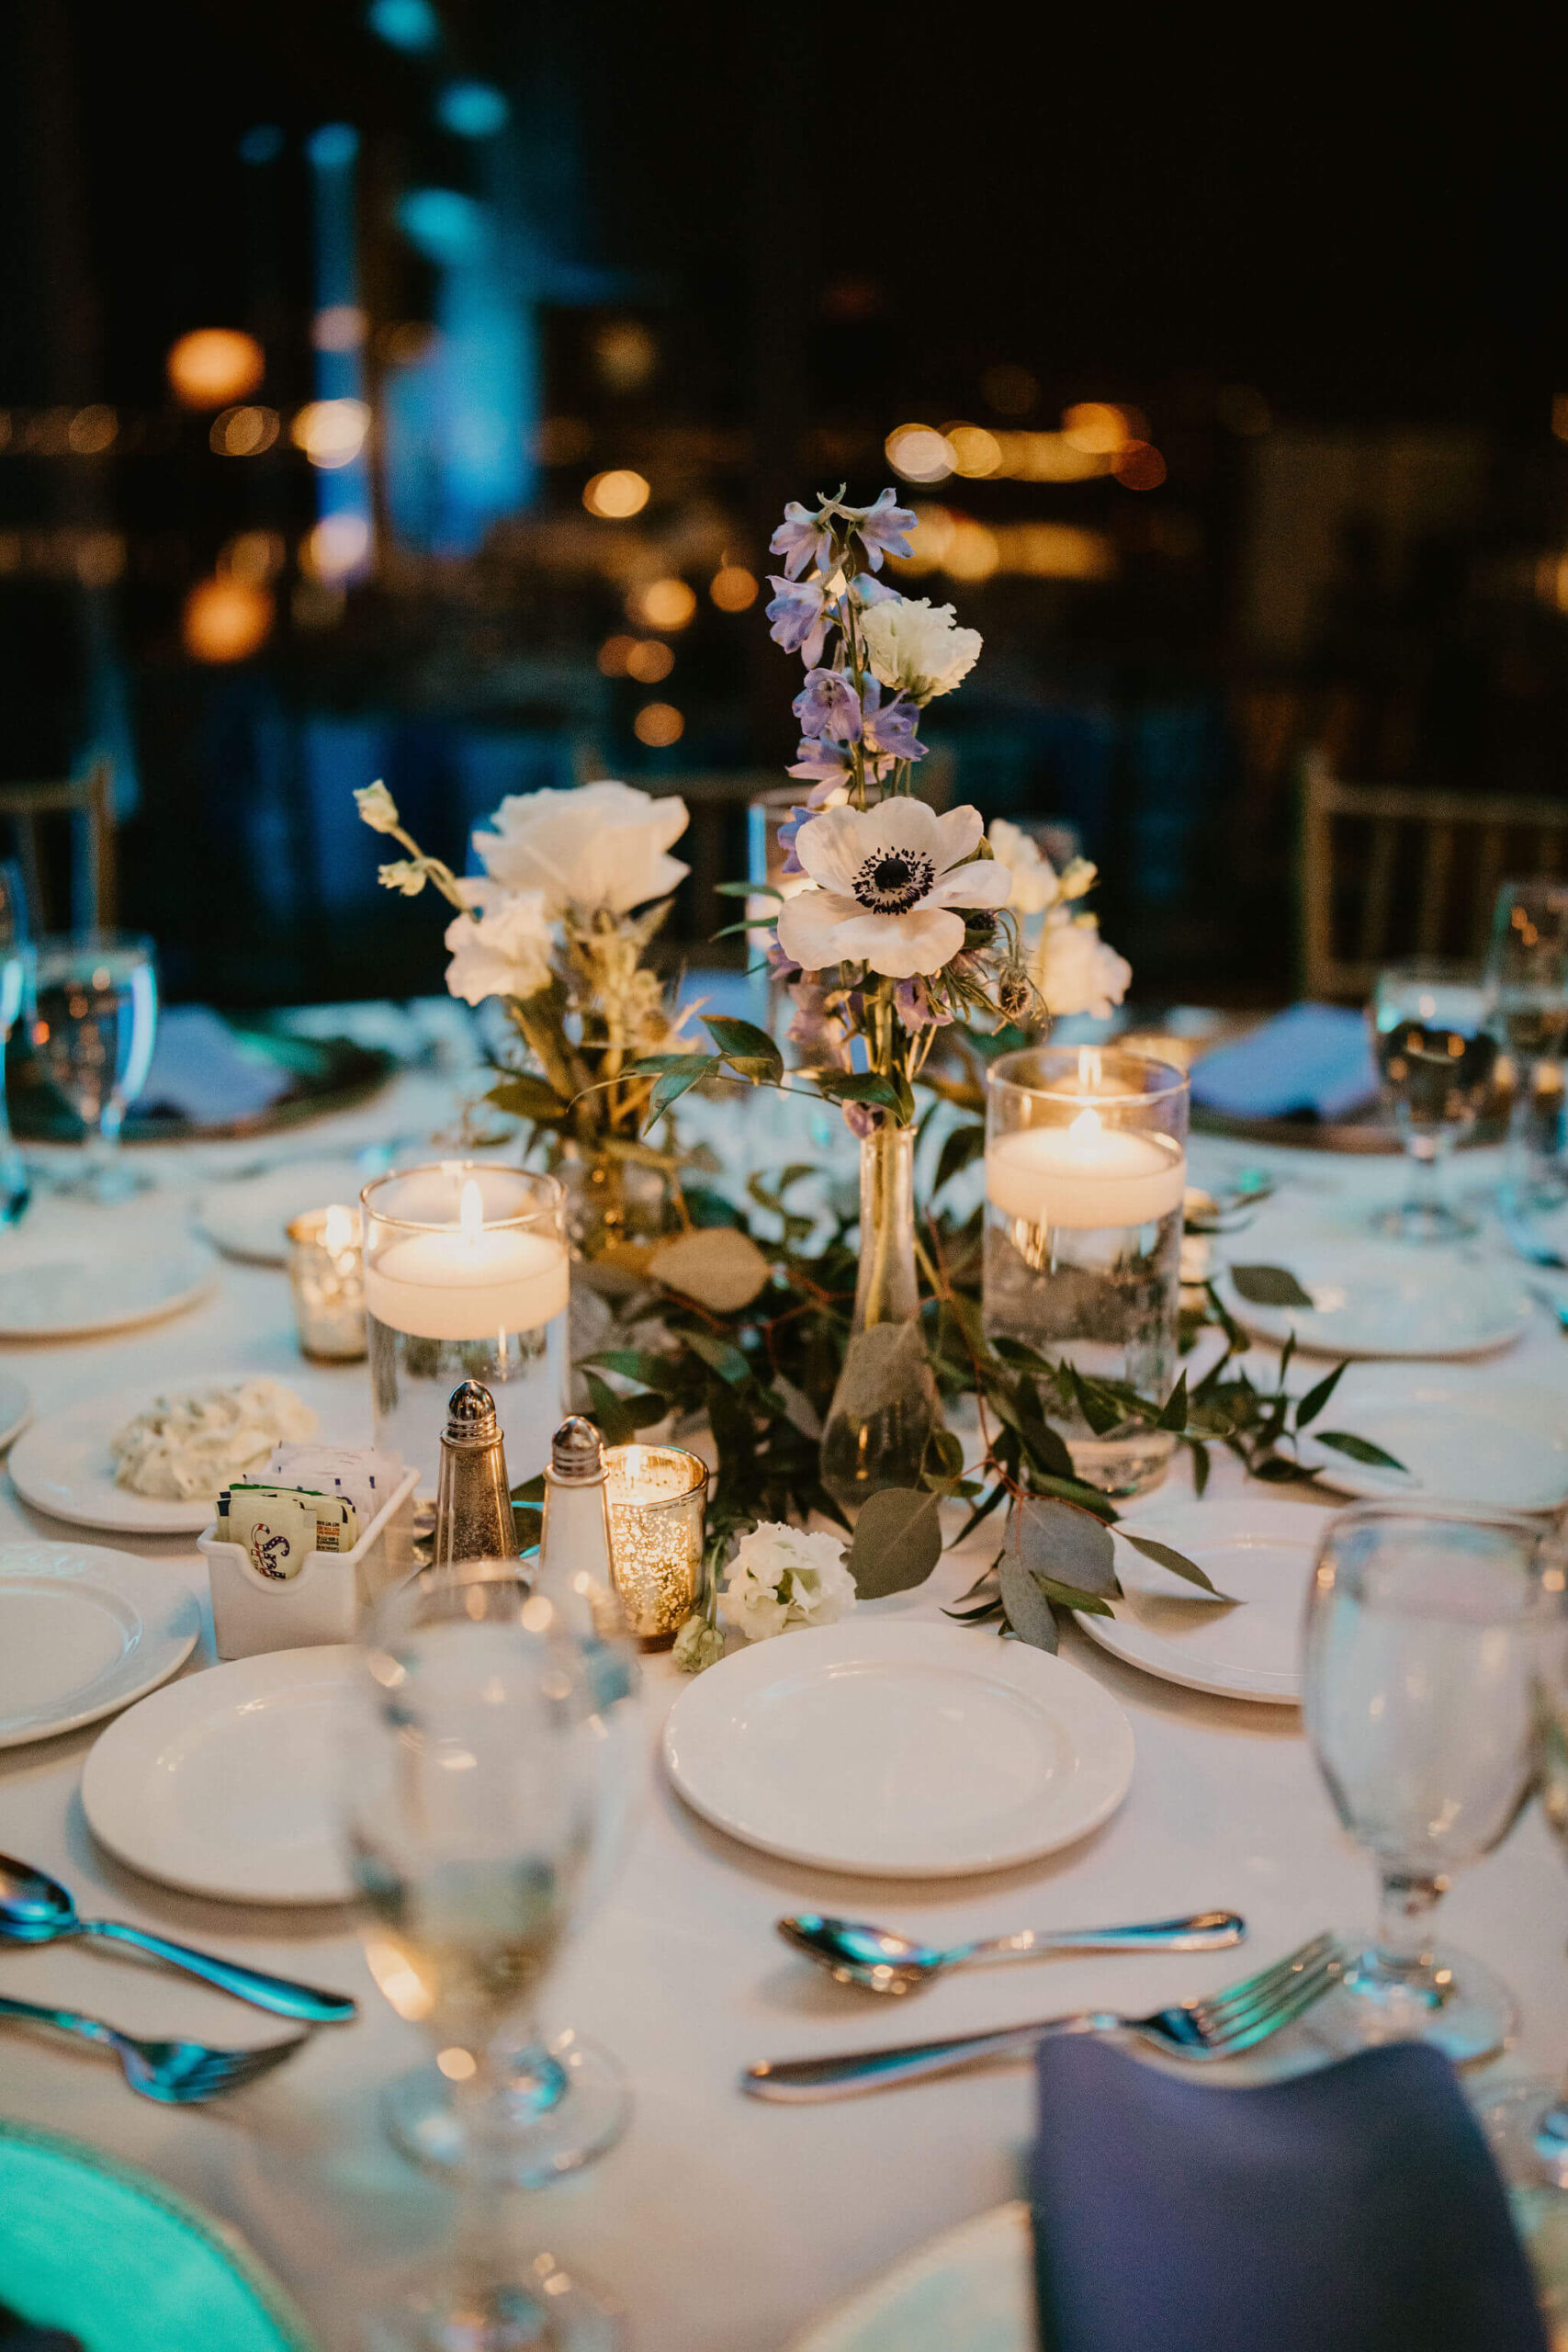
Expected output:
(179, 2074)
(1221, 2024)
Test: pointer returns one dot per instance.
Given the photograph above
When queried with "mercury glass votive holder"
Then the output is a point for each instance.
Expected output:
(466, 1278)
(657, 1497)
(1086, 1166)
(326, 1274)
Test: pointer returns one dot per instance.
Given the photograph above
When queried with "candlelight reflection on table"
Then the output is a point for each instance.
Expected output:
(326, 1273)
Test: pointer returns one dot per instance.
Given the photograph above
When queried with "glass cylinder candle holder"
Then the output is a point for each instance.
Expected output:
(466, 1278)
(1085, 1165)
(656, 1495)
(326, 1273)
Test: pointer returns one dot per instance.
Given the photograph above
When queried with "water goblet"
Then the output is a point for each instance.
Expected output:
(94, 1020)
(475, 1800)
(1436, 1056)
(1527, 989)
(15, 977)
(1426, 1632)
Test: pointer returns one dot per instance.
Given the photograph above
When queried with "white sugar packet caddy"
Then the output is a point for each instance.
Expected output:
(324, 1601)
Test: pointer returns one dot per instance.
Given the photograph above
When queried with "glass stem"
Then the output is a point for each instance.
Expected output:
(1424, 1155)
(480, 2252)
(1407, 1901)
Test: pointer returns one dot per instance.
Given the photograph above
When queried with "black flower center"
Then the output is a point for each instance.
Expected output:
(893, 883)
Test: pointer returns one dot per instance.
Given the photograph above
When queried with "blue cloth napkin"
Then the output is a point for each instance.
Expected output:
(1353, 2209)
(201, 1071)
(1313, 1058)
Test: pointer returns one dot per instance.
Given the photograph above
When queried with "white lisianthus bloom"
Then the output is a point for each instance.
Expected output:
(917, 648)
(502, 949)
(1074, 969)
(1035, 883)
(889, 880)
(782, 1576)
(377, 807)
(602, 845)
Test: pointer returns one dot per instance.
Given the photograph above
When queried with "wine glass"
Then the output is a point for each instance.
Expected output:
(475, 1800)
(1526, 986)
(558, 2100)
(15, 974)
(1426, 1632)
(97, 1014)
(1436, 1056)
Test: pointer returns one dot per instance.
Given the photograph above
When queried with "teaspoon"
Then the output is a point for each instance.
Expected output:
(36, 1909)
(881, 1962)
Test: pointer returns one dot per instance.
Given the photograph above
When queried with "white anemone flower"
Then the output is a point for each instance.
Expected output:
(889, 880)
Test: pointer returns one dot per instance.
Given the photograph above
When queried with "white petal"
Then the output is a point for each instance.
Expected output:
(831, 848)
(958, 831)
(900, 945)
(986, 882)
(809, 924)
(900, 822)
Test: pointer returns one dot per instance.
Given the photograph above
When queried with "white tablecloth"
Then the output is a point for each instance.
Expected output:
(722, 2223)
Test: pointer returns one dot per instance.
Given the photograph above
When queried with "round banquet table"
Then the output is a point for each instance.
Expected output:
(722, 2223)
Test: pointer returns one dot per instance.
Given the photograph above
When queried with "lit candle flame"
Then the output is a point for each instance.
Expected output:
(1088, 1070)
(1084, 1134)
(471, 1214)
(341, 1230)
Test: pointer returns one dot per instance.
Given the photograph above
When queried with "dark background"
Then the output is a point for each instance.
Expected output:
(1324, 262)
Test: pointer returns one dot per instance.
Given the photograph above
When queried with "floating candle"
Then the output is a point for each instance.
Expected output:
(1085, 1174)
(467, 1280)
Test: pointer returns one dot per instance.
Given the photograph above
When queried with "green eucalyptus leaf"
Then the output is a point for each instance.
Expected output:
(526, 1097)
(745, 1047)
(1309, 1407)
(1167, 1557)
(748, 890)
(636, 1363)
(1277, 1472)
(1174, 1416)
(1360, 1449)
(669, 1089)
(1053, 1538)
(897, 1541)
(611, 1415)
(858, 1085)
(1026, 1608)
(721, 1356)
(1067, 1596)
(1269, 1286)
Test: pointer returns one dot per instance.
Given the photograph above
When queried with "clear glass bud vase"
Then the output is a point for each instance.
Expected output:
(885, 1404)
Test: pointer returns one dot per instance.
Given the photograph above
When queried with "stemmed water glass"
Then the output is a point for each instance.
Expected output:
(1527, 989)
(96, 998)
(1436, 1056)
(1424, 1638)
(16, 963)
(476, 1800)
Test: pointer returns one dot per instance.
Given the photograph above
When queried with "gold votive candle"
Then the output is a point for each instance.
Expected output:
(326, 1272)
(656, 1496)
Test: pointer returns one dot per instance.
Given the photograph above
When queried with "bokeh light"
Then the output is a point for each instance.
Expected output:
(92, 431)
(617, 494)
(226, 620)
(335, 547)
(657, 724)
(650, 660)
(341, 326)
(975, 452)
(472, 110)
(1096, 428)
(613, 655)
(919, 453)
(212, 366)
(411, 25)
(662, 603)
(625, 354)
(243, 432)
(733, 588)
(1139, 466)
(972, 552)
(331, 432)
(253, 555)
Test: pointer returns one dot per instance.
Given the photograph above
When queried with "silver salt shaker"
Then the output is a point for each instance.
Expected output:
(473, 1500)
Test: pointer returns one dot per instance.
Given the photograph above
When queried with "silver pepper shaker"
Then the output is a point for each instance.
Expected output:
(473, 1502)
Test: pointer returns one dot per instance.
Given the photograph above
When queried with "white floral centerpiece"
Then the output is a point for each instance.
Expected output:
(574, 887)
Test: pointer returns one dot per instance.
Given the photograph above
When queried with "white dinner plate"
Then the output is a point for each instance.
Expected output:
(63, 1465)
(16, 1408)
(1379, 1298)
(68, 1291)
(1258, 1551)
(973, 2287)
(226, 1784)
(1462, 1436)
(84, 1631)
(249, 1216)
(899, 1751)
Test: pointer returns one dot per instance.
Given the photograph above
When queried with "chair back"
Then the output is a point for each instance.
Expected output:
(86, 803)
(1392, 871)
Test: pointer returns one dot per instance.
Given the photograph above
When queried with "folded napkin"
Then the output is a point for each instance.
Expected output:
(202, 1073)
(1354, 2209)
(1313, 1058)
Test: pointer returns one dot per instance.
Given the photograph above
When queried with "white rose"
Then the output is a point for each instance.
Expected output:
(1075, 971)
(782, 1576)
(602, 845)
(918, 648)
(502, 949)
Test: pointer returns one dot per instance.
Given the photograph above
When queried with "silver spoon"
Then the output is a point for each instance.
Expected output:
(180, 2074)
(36, 1909)
(881, 1962)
